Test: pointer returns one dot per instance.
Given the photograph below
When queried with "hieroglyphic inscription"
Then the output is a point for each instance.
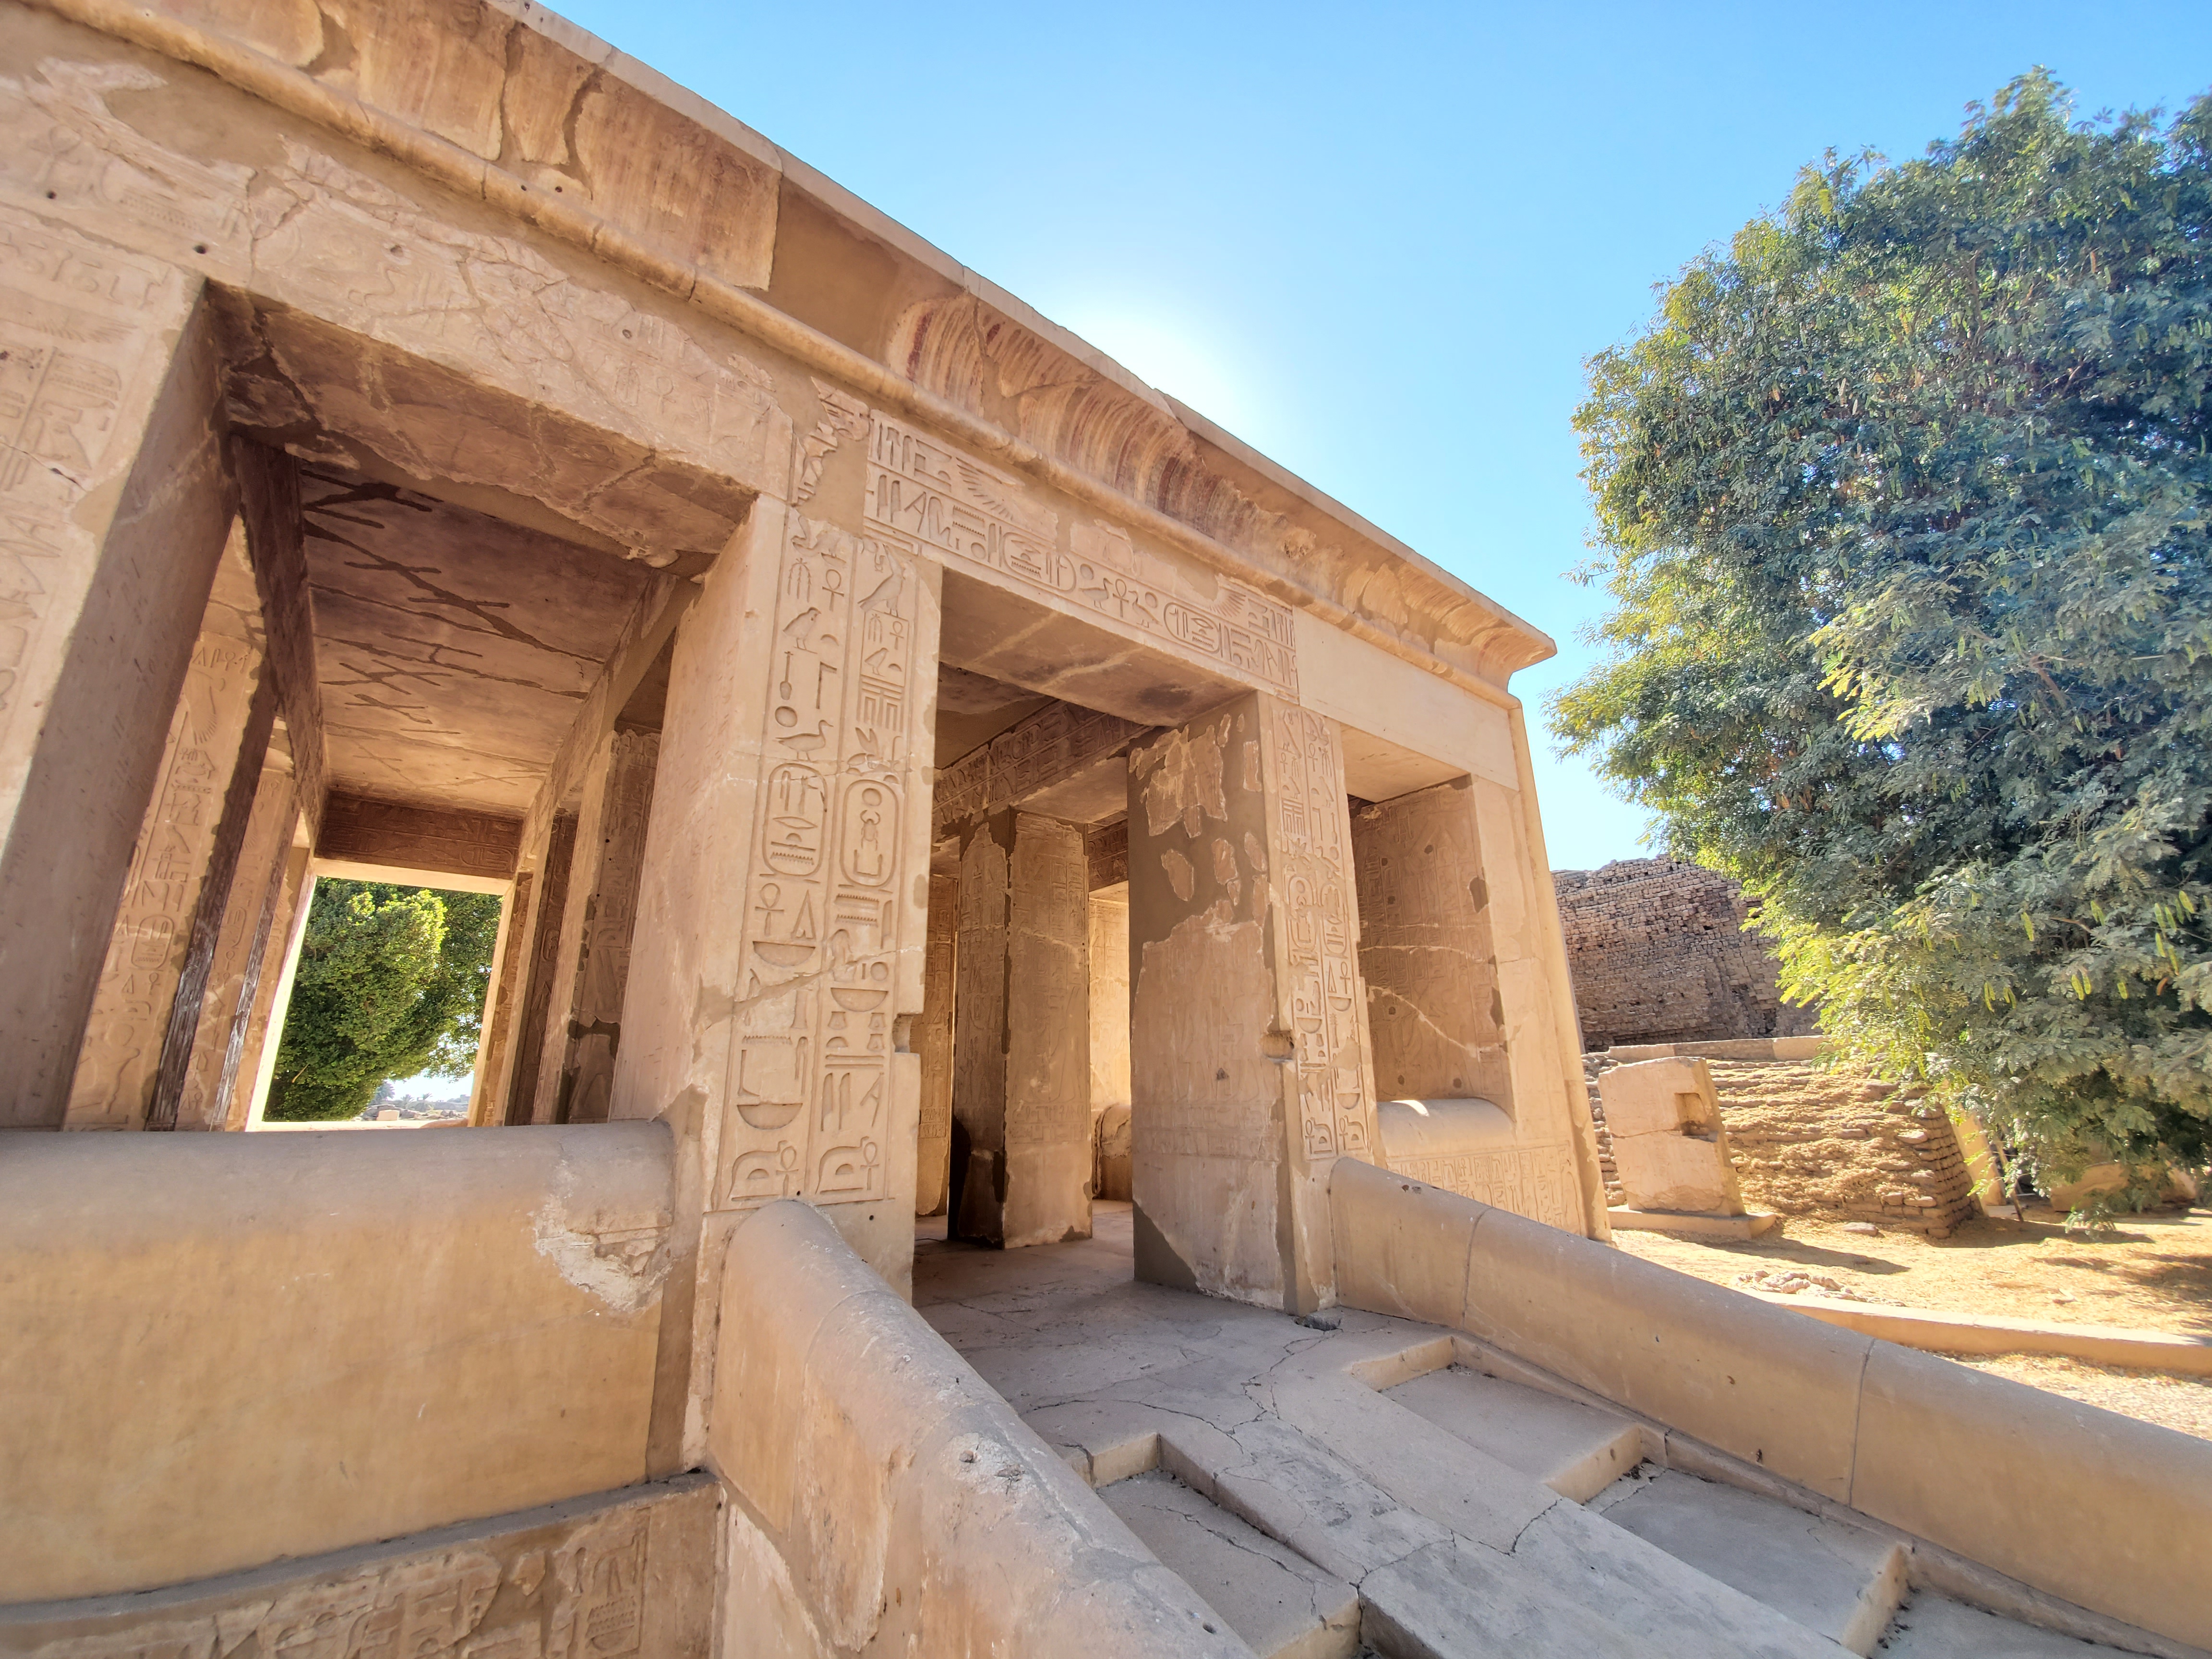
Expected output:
(1536, 1181)
(935, 1035)
(70, 345)
(609, 920)
(808, 1088)
(937, 500)
(116, 1066)
(61, 151)
(843, 416)
(1049, 747)
(1313, 857)
(601, 1614)
(412, 1612)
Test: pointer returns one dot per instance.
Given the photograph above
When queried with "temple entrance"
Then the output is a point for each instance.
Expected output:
(1180, 933)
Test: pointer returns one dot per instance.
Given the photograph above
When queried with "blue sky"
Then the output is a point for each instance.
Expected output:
(1379, 242)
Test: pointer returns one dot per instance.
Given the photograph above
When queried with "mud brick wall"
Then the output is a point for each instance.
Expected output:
(1659, 955)
(1830, 1145)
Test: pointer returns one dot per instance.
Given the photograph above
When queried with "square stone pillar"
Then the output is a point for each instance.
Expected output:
(1021, 1039)
(933, 1042)
(162, 941)
(288, 923)
(1109, 1042)
(776, 967)
(593, 1032)
(1249, 1071)
(114, 505)
(249, 917)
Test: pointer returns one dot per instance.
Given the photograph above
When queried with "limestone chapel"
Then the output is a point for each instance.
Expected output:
(938, 788)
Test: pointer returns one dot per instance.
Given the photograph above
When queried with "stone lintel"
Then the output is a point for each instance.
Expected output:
(357, 830)
(1064, 762)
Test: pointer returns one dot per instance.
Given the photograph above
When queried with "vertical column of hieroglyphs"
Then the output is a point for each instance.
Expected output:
(933, 1042)
(809, 1095)
(603, 969)
(1313, 877)
(122, 1048)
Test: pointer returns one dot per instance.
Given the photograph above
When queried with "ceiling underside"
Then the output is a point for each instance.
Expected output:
(453, 650)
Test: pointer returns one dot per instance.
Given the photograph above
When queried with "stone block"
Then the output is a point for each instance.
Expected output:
(2006, 1474)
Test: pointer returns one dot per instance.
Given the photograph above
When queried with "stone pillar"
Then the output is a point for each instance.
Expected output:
(241, 946)
(151, 945)
(777, 966)
(932, 1041)
(1249, 1071)
(1021, 1068)
(609, 915)
(541, 971)
(114, 506)
(488, 1095)
(288, 922)
(1543, 1042)
(1433, 1009)
(1110, 1040)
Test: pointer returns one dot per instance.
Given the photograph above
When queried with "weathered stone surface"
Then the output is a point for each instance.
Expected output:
(1249, 1070)
(933, 1044)
(626, 1572)
(408, 836)
(1668, 1142)
(1021, 1092)
(118, 1065)
(432, 1337)
(1659, 955)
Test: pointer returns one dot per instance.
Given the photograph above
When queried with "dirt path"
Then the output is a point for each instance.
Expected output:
(2154, 1272)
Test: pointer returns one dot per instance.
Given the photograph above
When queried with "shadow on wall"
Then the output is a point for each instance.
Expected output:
(1658, 954)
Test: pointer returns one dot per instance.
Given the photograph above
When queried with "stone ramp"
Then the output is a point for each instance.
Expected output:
(1288, 1471)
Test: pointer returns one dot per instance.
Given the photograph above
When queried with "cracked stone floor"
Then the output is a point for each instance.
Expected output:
(1286, 1429)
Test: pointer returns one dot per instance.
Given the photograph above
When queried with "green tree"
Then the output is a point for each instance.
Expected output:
(391, 983)
(1902, 503)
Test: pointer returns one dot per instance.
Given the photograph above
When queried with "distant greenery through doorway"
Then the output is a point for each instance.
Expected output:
(391, 983)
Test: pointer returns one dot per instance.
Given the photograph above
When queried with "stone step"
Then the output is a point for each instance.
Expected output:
(1844, 1581)
(1577, 1450)
(1282, 1605)
(1931, 1626)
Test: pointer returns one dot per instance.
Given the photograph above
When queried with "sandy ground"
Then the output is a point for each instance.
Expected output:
(2153, 1272)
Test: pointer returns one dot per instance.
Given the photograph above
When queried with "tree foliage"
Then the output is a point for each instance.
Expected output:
(391, 983)
(1902, 503)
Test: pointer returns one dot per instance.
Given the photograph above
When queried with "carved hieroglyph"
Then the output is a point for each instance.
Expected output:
(1313, 874)
(611, 918)
(81, 337)
(1536, 1181)
(582, 1598)
(122, 1049)
(809, 1092)
(934, 499)
(1053, 744)
(933, 1042)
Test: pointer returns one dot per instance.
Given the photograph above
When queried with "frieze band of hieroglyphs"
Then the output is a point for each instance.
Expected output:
(1536, 1181)
(950, 504)
(1337, 1106)
(808, 1098)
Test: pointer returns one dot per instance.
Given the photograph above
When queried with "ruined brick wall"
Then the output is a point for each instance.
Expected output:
(1659, 955)
(1834, 1145)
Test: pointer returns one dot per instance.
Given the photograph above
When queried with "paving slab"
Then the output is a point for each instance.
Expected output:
(1575, 1449)
(1282, 1604)
(1932, 1626)
(1842, 1581)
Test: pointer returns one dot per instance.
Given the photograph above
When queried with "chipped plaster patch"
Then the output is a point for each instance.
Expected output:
(1184, 783)
(619, 1259)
